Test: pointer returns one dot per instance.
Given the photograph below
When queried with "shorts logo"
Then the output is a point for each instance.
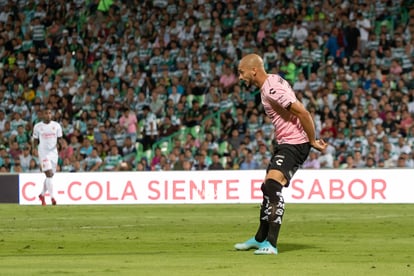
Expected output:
(279, 162)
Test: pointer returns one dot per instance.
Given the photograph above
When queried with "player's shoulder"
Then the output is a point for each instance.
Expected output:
(38, 124)
(55, 123)
(273, 80)
(272, 84)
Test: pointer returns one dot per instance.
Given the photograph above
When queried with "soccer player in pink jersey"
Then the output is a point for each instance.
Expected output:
(294, 137)
(47, 135)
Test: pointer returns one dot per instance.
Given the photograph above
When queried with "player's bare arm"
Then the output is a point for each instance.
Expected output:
(306, 120)
(59, 143)
(35, 143)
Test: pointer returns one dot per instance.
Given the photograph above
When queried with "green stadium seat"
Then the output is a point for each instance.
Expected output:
(148, 154)
(182, 133)
(196, 131)
(223, 161)
(201, 99)
(140, 129)
(224, 148)
(190, 98)
(165, 147)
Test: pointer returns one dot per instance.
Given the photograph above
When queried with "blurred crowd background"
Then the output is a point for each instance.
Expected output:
(153, 85)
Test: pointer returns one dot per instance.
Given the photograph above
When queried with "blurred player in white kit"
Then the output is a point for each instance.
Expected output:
(46, 136)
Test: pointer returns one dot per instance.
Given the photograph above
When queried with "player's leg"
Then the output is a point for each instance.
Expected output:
(49, 185)
(45, 166)
(42, 193)
(50, 174)
(274, 210)
(263, 229)
(261, 234)
(259, 240)
(283, 165)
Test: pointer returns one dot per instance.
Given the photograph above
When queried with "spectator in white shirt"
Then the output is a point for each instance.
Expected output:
(299, 33)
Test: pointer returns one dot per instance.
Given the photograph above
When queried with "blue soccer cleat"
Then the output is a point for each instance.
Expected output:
(266, 249)
(249, 244)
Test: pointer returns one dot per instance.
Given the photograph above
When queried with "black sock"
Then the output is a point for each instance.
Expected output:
(275, 210)
(261, 233)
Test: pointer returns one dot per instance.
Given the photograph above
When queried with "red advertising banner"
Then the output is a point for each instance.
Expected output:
(178, 187)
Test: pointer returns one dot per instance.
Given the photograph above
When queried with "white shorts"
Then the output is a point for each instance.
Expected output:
(48, 162)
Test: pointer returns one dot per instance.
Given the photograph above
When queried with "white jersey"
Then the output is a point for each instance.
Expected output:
(48, 135)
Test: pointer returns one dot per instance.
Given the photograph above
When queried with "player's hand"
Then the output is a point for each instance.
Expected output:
(319, 144)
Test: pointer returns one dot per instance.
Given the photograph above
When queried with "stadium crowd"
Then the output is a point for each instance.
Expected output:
(125, 75)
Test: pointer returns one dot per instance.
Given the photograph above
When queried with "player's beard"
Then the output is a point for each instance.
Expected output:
(249, 81)
(245, 83)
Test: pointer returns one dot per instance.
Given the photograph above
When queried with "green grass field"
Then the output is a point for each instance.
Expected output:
(198, 240)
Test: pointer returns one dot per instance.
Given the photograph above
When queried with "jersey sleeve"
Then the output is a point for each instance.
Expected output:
(59, 131)
(286, 99)
(35, 134)
(281, 92)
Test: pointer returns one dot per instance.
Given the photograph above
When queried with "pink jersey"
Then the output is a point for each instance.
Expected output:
(277, 95)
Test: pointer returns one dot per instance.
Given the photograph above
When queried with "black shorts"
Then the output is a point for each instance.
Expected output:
(288, 158)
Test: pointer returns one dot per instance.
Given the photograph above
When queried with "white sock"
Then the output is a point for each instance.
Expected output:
(49, 184)
(44, 187)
